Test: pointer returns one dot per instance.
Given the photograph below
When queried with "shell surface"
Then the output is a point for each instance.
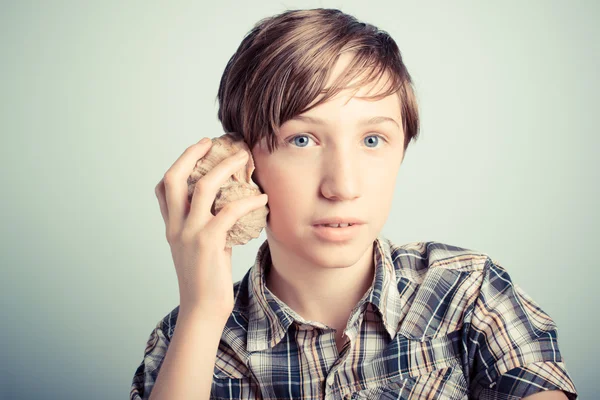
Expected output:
(237, 186)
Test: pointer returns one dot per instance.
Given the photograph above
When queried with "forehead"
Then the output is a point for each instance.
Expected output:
(372, 88)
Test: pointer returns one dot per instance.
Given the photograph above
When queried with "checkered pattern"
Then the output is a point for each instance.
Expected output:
(439, 322)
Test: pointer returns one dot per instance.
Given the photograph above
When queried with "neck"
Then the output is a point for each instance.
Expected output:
(317, 293)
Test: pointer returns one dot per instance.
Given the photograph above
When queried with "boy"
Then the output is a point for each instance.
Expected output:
(327, 108)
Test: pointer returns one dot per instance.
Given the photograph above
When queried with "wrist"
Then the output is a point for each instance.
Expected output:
(206, 315)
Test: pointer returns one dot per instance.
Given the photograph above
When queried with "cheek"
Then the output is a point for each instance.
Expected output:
(281, 185)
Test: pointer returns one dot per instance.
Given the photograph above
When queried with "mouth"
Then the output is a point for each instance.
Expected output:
(335, 225)
(337, 232)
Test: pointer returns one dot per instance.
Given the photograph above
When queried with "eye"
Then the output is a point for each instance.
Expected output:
(302, 143)
(376, 141)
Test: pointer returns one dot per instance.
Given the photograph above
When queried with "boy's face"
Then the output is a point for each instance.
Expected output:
(337, 167)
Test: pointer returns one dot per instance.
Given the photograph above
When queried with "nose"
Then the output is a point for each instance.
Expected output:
(340, 176)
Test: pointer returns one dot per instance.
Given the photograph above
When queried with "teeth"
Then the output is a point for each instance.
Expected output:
(336, 225)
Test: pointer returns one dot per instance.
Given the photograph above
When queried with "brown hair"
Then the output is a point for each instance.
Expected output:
(283, 63)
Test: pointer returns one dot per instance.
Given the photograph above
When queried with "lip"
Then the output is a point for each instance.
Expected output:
(336, 234)
(338, 220)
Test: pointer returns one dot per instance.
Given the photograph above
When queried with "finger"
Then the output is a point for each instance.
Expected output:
(233, 211)
(208, 186)
(159, 190)
(175, 181)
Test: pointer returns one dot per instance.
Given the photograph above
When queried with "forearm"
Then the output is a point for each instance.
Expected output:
(187, 370)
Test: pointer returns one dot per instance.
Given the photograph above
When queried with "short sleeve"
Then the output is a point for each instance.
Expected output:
(147, 372)
(512, 343)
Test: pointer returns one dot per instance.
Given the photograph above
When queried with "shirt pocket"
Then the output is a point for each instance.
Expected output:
(445, 383)
(232, 380)
(412, 368)
(225, 388)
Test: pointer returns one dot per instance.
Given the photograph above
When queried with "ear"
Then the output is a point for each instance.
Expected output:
(256, 180)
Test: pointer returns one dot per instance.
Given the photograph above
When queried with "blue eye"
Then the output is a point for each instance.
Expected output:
(296, 137)
(375, 136)
(294, 141)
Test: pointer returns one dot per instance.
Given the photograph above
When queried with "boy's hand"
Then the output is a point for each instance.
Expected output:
(196, 237)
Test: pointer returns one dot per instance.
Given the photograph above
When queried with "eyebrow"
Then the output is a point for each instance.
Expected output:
(365, 121)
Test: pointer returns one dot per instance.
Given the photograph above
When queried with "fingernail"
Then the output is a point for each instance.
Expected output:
(205, 140)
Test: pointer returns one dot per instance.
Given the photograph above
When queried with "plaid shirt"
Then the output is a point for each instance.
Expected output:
(439, 322)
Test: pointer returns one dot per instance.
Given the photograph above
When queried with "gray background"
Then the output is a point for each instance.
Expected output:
(98, 99)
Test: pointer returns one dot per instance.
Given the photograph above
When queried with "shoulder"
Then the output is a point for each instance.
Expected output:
(159, 340)
(439, 284)
(443, 266)
(422, 262)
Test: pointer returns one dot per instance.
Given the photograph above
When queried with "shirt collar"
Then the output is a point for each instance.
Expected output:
(269, 318)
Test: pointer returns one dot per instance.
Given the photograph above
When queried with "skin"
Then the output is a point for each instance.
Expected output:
(548, 395)
(336, 168)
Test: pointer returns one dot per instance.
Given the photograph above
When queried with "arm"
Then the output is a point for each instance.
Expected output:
(187, 370)
(513, 344)
(202, 259)
(547, 395)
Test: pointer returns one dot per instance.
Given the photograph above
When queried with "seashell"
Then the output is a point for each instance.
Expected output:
(239, 185)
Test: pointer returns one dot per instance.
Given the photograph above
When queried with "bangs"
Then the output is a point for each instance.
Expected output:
(282, 66)
(365, 69)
